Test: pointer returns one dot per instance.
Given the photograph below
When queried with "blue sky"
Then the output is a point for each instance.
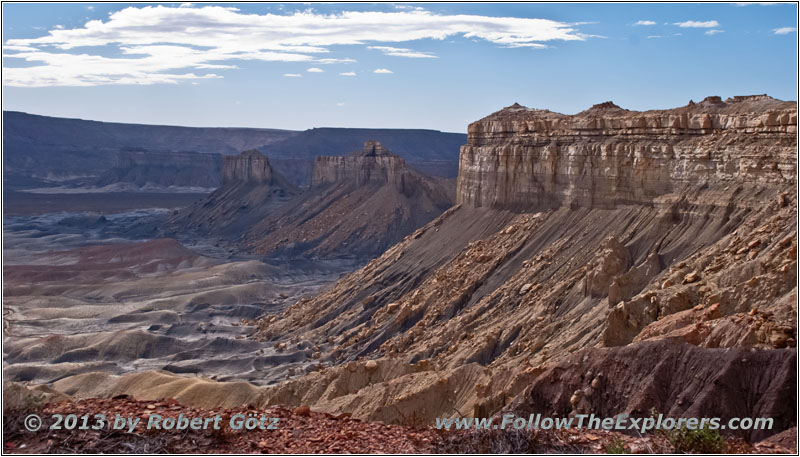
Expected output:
(438, 66)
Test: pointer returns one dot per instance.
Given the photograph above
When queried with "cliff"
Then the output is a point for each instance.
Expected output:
(249, 166)
(250, 190)
(431, 152)
(357, 206)
(164, 169)
(604, 156)
(373, 164)
(580, 244)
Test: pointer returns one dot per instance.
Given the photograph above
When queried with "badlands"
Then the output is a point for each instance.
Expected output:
(607, 262)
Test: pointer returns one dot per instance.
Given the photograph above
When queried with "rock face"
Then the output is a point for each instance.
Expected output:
(164, 169)
(251, 189)
(431, 152)
(675, 378)
(605, 156)
(357, 206)
(248, 167)
(610, 229)
(373, 164)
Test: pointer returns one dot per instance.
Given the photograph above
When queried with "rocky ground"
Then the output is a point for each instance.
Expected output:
(302, 431)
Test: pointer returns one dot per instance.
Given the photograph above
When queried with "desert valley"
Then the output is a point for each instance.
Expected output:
(612, 261)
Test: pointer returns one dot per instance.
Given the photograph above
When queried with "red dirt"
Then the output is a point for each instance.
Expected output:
(301, 431)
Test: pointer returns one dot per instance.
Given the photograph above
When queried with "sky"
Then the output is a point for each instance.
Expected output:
(403, 65)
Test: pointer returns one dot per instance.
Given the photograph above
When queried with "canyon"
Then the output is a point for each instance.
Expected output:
(611, 261)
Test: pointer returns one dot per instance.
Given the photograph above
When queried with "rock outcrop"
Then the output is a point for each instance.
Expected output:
(357, 206)
(431, 152)
(373, 164)
(251, 189)
(151, 169)
(248, 167)
(607, 228)
(605, 156)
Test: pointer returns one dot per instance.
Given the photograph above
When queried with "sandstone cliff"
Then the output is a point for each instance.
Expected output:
(248, 167)
(251, 189)
(373, 164)
(604, 156)
(604, 229)
(431, 152)
(357, 206)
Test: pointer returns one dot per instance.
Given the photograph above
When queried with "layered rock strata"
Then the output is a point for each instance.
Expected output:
(248, 167)
(357, 206)
(373, 164)
(604, 156)
(251, 189)
(608, 228)
(164, 169)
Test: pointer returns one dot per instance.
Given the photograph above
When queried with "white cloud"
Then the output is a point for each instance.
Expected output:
(655, 36)
(170, 43)
(90, 8)
(340, 104)
(403, 52)
(713, 32)
(784, 30)
(383, 71)
(348, 73)
(698, 24)
(645, 23)
(315, 70)
(293, 75)
(11, 47)
(330, 61)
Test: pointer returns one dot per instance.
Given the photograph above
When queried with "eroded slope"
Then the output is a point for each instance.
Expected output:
(357, 207)
(250, 190)
(625, 227)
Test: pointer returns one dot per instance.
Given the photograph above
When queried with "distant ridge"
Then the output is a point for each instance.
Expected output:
(43, 150)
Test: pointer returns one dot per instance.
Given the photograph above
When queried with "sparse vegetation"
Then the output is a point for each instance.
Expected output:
(17, 399)
(692, 441)
(617, 446)
(699, 441)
